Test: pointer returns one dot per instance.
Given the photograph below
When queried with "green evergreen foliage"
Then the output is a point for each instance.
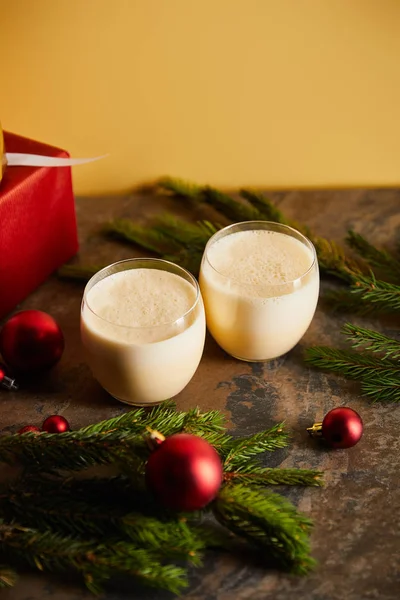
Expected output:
(109, 525)
(269, 522)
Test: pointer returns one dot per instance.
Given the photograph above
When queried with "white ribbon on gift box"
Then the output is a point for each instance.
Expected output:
(14, 159)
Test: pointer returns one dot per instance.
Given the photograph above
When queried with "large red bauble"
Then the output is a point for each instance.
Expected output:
(342, 427)
(30, 341)
(55, 424)
(184, 472)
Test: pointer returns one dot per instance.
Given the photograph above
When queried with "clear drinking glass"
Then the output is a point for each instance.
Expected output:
(260, 284)
(138, 345)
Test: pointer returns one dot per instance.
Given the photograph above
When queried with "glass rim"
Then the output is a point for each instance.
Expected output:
(303, 238)
(167, 263)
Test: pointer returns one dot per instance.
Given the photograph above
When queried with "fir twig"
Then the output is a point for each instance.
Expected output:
(179, 187)
(96, 562)
(344, 300)
(232, 208)
(267, 209)
(138, 531)
(353, 365)
(260, 476)
(378, 259)
(73, 450)
(383, 296)
(78, 272)
(332, 257)
(241, 452)
(372, 341)
(385, 389)
(146, 237)
(47, 504)
(270, 522)
(165, 418)
(183, 243)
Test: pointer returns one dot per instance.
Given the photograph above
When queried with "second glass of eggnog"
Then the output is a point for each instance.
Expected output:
(143, 329)
(260, 285)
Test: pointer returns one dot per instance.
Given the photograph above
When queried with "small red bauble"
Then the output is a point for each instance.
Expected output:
(30, 341)
(342, 427)
(55, 424)
(184, 472)
(29, 428)
(6, 381)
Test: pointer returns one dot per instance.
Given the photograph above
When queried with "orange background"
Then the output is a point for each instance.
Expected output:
(272, 93)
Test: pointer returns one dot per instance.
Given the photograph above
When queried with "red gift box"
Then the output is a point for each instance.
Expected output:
(37, 222)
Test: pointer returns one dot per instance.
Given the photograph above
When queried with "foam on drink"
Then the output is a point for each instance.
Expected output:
(143, 342)
(259, 291)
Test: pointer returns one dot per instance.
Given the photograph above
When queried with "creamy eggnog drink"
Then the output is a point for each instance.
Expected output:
(260, 285)
(143, 329)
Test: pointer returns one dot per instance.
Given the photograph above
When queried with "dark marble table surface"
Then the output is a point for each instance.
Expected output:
(356, 539)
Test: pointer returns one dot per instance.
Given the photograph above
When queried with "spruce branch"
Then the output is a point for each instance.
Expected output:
(73, 450)
(183, 242)
(344, 300)
(186, 233)
(332, 257)
(372, 341)
(385, 389)
(268, 521)
(78, 272)
(378, 259)
(260, 476)
(140, 534)
(146, 237)
(232, 208)
(353, 365)
(333, 260)
(95, 562)
(165, 418)
(44, 504)
(241, 451)
(267, 209)
(383, 296)
(179, 187)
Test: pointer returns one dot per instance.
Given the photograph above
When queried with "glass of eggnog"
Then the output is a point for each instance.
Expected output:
(260, 284)
(143, 329)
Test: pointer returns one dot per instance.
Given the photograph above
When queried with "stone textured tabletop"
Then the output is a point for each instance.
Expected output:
(356, 539)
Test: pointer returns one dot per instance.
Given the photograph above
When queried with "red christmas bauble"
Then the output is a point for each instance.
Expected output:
(342, 427)
(184, 472)
(55, 424)
(29, 428)
(30, 341)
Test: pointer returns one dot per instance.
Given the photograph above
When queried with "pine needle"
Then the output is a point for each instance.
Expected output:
(385, 389)
(146, 237)
(267, 209)
(243, 450)
(353, 365)
(379, 259)
(96, 562)
(78, 272)
(270, 522)
(383, 296)
(266, 476)
(344, 300)
(105, 526)
(64, 507)
(372, 341)
(179, 187)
